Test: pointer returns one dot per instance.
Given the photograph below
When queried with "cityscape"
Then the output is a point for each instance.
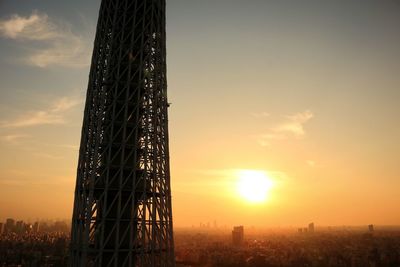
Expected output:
(46, 243)
(40, 243)
(176, 133)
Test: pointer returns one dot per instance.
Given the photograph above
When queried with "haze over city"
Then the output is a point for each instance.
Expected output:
(282, 113)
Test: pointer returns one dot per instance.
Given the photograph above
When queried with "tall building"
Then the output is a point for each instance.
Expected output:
(238, 235)
(35, 227)
(122, 209)
(1, 228)
(311, 228)
(19, 227)
(371, 228)
(9, 226)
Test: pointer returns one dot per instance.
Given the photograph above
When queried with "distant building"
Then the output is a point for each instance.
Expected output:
(238, 235)
(311, 228)
(60, 226)
(28, 227)
(371, 228)
(300, 230)
(19, 227)
(1, 228)
(35, 227)
(305, 229)
(9, 226)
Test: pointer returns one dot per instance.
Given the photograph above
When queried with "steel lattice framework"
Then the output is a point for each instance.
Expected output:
(122, 210)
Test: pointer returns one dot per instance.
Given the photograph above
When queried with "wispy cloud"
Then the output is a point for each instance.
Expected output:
(65, 103)
(291, 127)
(46, 155)
(34, 118)
(52, 116)
(260, 114)
(311, 163)
(295, 124)
(12, 138)
(225, 179)
(315, 164)
(72, 147)
(54, 42)
(12, 182)
(26, 180)
(265, 139)
(34, 27)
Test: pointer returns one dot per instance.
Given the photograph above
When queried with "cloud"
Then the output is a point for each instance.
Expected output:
(264, 139)
(224, 179)
(12, 138)
(43, 180)
(295, 124)
(34, 27)
(292, 127)
(35, 118)
(50, 43)
(260, 115)
(52, 116)
(65, 103)
(47, 156)
(231, 173)
(311, 163)
(12, 182)
(72, 147)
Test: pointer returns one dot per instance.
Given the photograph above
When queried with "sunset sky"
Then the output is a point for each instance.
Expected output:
(305, 92)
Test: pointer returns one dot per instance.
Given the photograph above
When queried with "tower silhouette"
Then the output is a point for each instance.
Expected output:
(122, 208)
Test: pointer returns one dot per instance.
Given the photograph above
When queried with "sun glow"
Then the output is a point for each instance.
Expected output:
(254, 186)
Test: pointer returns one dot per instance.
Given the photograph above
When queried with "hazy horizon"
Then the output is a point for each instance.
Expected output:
(304, 94)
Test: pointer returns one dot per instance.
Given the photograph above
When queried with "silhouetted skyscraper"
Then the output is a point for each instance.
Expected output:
(19, 227)
(9, 226)
(371, 228)
(35, 227)
(311, 228)
(122, 210)
(238, 235)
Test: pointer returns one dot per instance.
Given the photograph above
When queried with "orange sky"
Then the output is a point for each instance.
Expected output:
(308, 95)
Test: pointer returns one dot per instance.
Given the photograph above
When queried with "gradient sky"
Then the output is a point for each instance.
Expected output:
(307, 91)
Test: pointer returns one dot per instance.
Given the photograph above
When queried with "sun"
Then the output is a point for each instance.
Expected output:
(253, 185)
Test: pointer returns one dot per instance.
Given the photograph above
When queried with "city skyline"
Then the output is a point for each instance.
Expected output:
(304, 95)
